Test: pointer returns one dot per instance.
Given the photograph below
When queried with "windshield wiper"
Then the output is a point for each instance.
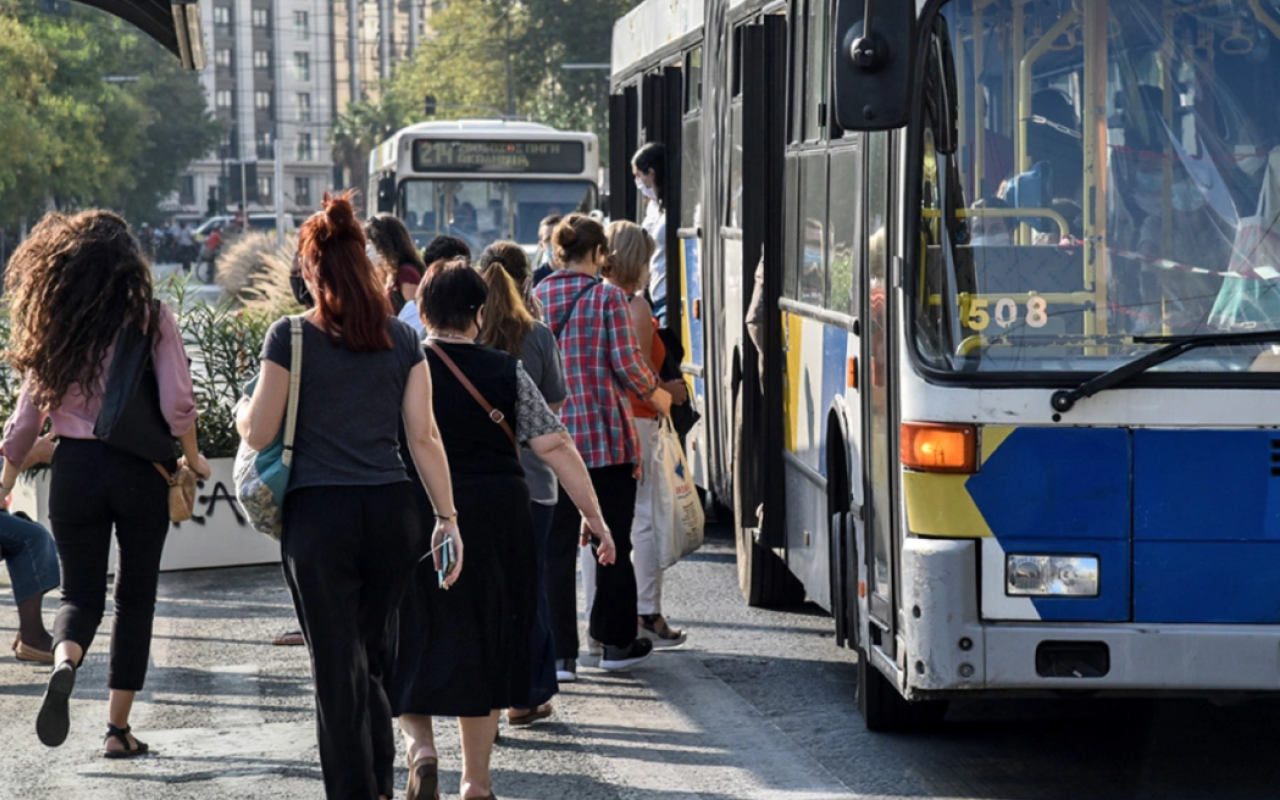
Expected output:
(1064, 399)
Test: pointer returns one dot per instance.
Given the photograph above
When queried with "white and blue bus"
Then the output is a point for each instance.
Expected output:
(1016, 421)
(483, 180)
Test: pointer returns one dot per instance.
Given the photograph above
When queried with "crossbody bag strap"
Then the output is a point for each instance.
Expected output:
(295, 382)
(494, 414)
(573, 306)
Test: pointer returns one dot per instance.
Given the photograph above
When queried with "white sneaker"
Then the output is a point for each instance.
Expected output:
(567, 671)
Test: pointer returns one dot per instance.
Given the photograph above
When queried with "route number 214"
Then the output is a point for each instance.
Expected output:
(1005, 313)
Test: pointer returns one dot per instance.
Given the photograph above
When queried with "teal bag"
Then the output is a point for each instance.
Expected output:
(261, 477)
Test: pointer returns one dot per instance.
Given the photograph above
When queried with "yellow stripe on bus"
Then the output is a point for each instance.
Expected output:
(940, 505)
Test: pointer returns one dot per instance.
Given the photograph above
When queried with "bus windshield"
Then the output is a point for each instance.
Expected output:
(1098, 175)
(486, 211)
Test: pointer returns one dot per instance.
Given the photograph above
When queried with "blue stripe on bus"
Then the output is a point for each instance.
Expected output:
(835, 348)
(1206, 526)
(692, 264)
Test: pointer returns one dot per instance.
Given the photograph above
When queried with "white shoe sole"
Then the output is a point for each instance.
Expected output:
(621, 664)
(566, 677)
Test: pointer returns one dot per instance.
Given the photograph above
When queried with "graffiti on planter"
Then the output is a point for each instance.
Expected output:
(208, 502)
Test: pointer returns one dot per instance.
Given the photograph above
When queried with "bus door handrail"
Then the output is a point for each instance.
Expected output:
(1064, 230)
(833, 318)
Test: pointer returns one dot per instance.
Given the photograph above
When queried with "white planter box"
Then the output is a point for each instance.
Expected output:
(216, 536)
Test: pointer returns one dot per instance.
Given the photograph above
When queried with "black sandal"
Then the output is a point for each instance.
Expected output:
(54, 720)
(122, 735)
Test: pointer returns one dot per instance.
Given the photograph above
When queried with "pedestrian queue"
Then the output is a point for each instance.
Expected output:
(511, 326)
(464, 651)
(352, 531)
(602, 359)
(84, 324)
(627, 268)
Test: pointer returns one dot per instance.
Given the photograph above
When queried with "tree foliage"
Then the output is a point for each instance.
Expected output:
(92, 113)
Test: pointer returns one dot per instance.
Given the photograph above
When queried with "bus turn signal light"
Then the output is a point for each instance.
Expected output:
(933, 447)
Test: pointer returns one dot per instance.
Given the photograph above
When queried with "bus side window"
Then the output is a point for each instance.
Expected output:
(844, 224)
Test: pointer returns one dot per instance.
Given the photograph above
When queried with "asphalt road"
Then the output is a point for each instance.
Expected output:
(758, 705)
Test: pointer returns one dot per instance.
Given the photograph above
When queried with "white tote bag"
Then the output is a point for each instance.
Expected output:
(678, 521)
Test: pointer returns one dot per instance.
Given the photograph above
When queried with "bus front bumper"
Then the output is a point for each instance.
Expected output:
(948, 648)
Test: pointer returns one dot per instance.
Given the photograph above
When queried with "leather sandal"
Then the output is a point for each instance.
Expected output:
(541, 712)
(33, 655)
(131, 749)
(424, 779)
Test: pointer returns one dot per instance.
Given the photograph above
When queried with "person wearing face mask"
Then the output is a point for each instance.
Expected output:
(546, 253)
(391, 248)
(650, 167)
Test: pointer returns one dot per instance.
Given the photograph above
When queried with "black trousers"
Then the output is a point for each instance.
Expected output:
(94, 489)
(613, 615)
(349, 552)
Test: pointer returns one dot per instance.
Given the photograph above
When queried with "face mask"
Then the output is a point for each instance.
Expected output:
(994, 240)
(372, 253)
(812, 255)
(1186, 197)
(646, 190)
(300, 291)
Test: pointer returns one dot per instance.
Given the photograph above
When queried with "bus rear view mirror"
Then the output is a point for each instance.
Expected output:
(387, 194)
(873, 61)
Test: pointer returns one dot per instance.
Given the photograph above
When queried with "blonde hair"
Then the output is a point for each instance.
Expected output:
(630, 250)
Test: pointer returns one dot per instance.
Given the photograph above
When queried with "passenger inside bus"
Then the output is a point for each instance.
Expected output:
(989, 231)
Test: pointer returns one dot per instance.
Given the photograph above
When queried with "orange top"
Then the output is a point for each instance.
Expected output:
(641, 407)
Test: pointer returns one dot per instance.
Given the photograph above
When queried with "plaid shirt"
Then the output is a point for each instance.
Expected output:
(601, 359)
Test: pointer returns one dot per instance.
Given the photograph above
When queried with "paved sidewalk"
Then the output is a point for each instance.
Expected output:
(231, 716)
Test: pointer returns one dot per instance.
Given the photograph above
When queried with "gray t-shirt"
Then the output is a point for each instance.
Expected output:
(348, 406)
(540, 357)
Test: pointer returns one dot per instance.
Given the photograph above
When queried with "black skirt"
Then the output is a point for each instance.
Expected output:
(464, 652)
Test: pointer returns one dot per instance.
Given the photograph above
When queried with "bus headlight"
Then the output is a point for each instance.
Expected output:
(1051, 576)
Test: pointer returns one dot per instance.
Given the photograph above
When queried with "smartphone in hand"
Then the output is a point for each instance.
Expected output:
(446, 562)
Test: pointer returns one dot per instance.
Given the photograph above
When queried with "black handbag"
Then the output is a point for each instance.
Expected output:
(683, 416)
(131, 419)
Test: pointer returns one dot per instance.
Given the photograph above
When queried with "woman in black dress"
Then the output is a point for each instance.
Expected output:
(465, 652)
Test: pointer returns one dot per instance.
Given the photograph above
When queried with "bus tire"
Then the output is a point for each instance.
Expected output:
(885, 710)
(763, 577)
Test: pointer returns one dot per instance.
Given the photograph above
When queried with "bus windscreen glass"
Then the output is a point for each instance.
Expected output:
(538, 157)
(485, 211)
(1095, 173)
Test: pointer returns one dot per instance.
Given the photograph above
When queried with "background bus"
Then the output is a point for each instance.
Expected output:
(1004, 209)
(483, 180)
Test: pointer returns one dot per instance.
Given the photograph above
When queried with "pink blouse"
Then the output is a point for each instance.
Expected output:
(76, 415)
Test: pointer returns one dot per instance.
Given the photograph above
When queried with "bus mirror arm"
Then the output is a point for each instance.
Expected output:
(868, 51)
(873, 63)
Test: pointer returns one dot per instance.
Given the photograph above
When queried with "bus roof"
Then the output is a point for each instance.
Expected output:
(384, 157)
(651, 26)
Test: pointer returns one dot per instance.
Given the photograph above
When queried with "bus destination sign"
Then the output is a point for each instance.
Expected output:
(435, 155)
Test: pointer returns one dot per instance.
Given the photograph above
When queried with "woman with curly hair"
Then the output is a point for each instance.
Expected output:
(74, 286)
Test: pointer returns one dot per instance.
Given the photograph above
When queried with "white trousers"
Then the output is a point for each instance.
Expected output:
(644, 555)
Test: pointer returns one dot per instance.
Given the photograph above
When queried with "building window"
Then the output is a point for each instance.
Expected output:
(262, 18)
(302, 191)
(224, 98)
(304, 106)
(222, 57)
(265, 150)
(187, 190)
(262, 59)
(222, 20)
(301, 26)
(264, 189)
(262, 100)
(302, 66)
(304, 147)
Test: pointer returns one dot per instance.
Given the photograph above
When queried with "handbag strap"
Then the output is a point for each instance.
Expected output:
(494, 414)
(295, 381)
(164, 473)
(573, 306)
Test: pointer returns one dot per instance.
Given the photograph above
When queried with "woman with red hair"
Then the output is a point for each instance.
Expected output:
(352, 533)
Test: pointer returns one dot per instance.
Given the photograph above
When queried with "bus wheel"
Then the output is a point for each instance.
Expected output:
(885, 710)
(763, 577)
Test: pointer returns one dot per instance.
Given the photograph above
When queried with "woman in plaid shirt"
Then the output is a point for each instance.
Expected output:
(601, 361)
